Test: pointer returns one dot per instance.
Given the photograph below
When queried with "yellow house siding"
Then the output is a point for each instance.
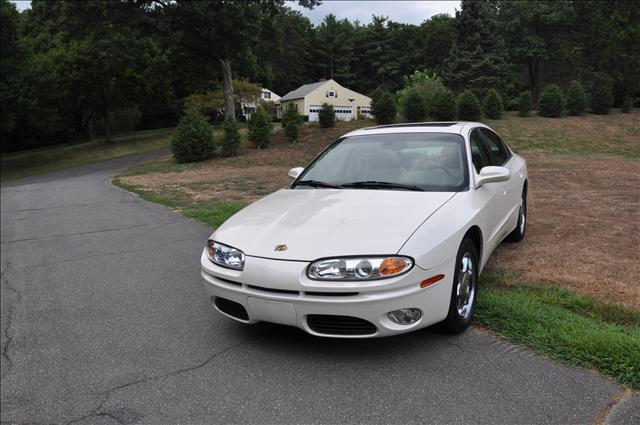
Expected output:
(300, 102)
(345, 97)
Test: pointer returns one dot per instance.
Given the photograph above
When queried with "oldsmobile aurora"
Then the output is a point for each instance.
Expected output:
(386, 231)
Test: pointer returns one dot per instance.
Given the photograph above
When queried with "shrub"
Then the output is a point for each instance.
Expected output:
(601, 95)
(524, 104)
(291, 130)
(469, 108)
(414, 106)
(627, 104)
(193, 139)
(424, 82)
(231, 141)
(327, 116)
(290, 121)
(576, 99)
(260, 128)
(512, 105)
(551, 102)
(493, 104)
(443, 106)
(383, 107)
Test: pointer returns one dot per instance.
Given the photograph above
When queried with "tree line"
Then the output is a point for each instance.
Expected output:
(73, 70)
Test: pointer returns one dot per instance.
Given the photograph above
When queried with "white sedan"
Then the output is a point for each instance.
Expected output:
(385, 232)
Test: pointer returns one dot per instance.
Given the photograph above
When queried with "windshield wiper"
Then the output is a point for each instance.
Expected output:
(317, 183)
(370, 184)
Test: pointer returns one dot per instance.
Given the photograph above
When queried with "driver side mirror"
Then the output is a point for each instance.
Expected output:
(295, 172)
(493, 174)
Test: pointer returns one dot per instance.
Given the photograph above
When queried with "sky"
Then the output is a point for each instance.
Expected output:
(410, 12)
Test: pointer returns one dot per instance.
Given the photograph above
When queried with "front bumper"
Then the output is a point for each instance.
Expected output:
(279, 291)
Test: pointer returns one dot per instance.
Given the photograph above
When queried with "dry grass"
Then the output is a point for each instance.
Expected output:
(244, 178)
(583, 232)
(584, 195)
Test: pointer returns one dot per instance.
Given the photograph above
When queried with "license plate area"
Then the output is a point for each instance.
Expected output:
(272, 311)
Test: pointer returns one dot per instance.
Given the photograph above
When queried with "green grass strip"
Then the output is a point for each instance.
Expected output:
(214, 215)
(572, 328)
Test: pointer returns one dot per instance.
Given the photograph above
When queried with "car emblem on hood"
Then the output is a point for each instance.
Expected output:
(280, 248)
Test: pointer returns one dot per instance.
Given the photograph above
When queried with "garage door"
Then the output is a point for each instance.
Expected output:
(343, 113)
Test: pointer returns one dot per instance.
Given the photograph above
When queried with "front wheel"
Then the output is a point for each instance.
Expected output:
(518, 233)
(465, 288)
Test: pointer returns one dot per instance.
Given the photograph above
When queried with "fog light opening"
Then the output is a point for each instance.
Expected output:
(405, 316)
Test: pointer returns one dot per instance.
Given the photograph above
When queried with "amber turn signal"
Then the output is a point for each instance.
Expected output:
(392, 265)
(431, 280)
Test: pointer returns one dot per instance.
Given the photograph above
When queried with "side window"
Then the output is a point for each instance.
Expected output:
(479, 154)
(496, 146)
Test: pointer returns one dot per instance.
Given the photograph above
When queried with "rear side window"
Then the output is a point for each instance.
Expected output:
(479, 154)
(497, 148)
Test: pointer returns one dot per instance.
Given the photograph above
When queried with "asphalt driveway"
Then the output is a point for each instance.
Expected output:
(105, 321)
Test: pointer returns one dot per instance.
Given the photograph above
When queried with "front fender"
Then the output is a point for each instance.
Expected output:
(437, 240)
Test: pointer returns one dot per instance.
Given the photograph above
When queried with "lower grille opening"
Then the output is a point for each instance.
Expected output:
(232, 308)
(339, 325)
(274, 290)
(231, 282)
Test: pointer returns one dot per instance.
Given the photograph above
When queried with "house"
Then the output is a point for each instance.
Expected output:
(266, 95)
(308, 100)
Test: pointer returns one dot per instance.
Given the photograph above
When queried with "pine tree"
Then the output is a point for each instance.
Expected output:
(327, 116)
(260, 128)
(551, 103)
(477, 59)
(231, 141)
(383, 106)
(493, 105)
(601, 95)
(469, 108)
(443, 106)
(524, 104)
(414, 106)
(576, 99)
(193, 139)
(291, 122)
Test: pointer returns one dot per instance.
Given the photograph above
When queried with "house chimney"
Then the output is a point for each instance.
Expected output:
(322, 79)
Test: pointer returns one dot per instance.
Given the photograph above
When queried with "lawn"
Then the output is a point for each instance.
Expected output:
(572, 328)
(569, 292)
(38, 161)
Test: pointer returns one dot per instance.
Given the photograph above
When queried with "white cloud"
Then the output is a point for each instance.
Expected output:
(22, 4)
(411, 12)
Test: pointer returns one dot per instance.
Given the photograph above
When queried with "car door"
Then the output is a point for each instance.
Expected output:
(510, 201)
(488, 198)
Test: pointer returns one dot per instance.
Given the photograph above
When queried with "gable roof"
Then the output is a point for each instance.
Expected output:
(303, 90)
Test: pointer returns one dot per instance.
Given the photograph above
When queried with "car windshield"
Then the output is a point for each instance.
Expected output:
(406, 161)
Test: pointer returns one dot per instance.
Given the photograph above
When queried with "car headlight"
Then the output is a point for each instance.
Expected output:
(224, 255)
(359, 268)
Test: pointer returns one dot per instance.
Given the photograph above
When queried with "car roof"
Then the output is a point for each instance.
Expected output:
(454, 127)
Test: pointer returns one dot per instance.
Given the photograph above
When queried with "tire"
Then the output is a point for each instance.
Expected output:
(521, 228)
(466, 270)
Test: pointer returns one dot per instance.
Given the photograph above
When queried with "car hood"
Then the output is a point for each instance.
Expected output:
(317, 223)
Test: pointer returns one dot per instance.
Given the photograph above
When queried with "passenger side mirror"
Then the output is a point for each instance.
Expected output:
(492, 175)
(295, 172)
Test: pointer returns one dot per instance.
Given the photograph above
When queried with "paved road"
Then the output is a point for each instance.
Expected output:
(105, 321)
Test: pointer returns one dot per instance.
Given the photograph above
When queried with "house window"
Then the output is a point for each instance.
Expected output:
(331, 93)
(266, 95)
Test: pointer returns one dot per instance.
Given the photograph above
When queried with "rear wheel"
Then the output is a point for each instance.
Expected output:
(518, 233)
(465, 288)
